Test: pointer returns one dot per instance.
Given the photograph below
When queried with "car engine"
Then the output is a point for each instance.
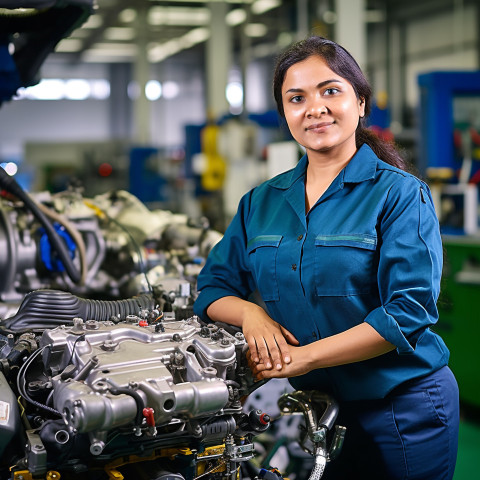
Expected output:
(143, 392)
(117, 248)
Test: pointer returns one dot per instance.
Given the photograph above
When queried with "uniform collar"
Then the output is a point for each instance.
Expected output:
(361, 167)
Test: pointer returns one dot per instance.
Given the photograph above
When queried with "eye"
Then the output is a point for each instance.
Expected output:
(296, 99)
(331, 91)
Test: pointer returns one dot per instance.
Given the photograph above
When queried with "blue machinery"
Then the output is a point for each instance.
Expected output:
(450, 150)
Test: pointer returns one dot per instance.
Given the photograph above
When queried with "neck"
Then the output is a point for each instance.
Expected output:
(321, 172)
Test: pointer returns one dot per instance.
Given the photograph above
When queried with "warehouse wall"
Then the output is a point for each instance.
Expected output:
(443, 41)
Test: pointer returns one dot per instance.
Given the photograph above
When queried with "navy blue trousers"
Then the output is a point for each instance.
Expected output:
(412, 434)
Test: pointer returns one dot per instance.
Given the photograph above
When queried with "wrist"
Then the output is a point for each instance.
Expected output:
(250, 310)
(312, 355)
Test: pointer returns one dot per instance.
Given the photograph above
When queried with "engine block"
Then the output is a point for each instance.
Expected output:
(106, 373)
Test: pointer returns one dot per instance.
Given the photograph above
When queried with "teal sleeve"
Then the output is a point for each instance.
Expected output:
(410, 266)
(226, 271)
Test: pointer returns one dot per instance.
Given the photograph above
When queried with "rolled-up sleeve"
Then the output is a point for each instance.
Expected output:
(226, 271)
(410, 266)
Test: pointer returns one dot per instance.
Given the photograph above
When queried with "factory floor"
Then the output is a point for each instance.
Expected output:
(468, 459)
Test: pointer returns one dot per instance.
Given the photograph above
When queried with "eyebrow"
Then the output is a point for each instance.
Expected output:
(320, 85)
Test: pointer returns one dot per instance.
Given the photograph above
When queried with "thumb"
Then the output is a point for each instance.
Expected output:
(289, 336)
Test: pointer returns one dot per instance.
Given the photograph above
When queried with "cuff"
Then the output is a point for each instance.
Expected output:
(389, 329)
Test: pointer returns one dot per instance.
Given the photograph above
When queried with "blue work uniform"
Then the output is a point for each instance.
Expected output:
(370, 251)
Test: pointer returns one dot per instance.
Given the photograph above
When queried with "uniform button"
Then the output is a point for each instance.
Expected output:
(294, 267)
(299, 237)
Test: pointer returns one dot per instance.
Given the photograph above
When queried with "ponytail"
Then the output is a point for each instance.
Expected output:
(384, 150)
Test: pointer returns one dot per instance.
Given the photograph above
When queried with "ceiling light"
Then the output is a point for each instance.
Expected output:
(77, 89)
(47, 89)
(256, 30)
(262, 6)
(110, 52)
(118, 33)
(170, 90)
(94, 21)
(100, 89)
(180, 16)
(158, 52)
(236, 17)
(128, 15)
(153, 90)
(195, 36)
(329, 17)
(69, 45)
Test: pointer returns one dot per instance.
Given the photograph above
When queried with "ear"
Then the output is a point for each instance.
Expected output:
(361, 107)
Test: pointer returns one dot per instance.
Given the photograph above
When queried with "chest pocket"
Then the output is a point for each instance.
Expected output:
(262, 253)
(345, 264)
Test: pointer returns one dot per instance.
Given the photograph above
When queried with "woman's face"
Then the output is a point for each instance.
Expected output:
(321, 108)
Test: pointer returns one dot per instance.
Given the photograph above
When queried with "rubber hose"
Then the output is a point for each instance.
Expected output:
(42, 309)
(10, 184)
(138, 400)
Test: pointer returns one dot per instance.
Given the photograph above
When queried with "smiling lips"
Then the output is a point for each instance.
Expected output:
(319, 126)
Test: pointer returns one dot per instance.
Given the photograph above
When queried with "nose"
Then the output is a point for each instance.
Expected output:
(317, 109)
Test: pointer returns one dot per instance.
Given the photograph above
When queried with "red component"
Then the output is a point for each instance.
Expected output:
(148, 414)
(143, 323)
(105, 169)
(264, 419)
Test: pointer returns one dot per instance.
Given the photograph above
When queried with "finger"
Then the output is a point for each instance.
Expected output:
(284, 350)
(264, 352)
(275, 352)
(252, 348)
(289, 336)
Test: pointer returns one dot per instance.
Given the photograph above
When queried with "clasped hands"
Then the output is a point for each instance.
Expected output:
(273, 350)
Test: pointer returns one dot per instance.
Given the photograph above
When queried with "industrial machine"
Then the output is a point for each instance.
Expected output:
(450, 149)
(107, 247)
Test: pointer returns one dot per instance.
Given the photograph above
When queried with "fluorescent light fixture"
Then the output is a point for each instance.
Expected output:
(100, 89)
(170, 90)
(110, 52)
(153, 90)
(119, 33)
(77, 89)
(236, 17)
(115, 48)
(47, 89)
(69, 89)
(158, 52)
(128, 15)
(195, 36)
(179, 16)
(69, 45)
(262, 6)
(234, 94)
(94, 21)
(256, 30)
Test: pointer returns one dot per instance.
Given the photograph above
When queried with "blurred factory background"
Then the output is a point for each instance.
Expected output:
(171, 101)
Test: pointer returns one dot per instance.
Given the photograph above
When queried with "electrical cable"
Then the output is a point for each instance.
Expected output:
(101, 213)
(22, 388)
(74, 233)
(10, 184)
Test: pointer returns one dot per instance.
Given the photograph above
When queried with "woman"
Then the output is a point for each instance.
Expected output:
(346, 254)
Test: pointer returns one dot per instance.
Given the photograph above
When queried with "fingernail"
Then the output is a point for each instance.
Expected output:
(287, 359)
(269, 365)
(279, 366)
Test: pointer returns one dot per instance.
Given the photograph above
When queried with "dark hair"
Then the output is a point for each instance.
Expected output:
(343, 64)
